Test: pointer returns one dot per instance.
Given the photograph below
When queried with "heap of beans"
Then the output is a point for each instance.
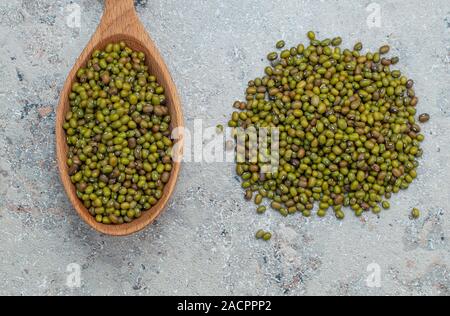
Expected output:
(348, 132)
(118, 135)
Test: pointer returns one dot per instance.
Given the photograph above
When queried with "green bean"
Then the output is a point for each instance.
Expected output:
(311, 35)
(260, 234)
(258, 199)
(272, 56)
(415, 214)
(385, 49)
(358, 47)
(219, 129)
(261, 209)
(280, 44)
(267, 236)
(340, 215)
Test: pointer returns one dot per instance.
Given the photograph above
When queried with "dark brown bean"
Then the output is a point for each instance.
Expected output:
(132, 143)
(73, 170)
(425, 117)
(410, 84)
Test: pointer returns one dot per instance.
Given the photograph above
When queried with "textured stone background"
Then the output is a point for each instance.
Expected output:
(204, 243)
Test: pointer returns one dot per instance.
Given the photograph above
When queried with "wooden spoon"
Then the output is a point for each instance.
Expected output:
(119, 23)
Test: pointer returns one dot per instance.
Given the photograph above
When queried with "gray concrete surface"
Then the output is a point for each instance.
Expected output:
(204, 243)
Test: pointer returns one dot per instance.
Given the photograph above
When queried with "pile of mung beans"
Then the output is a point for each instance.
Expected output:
(347, 126)
(118, 134)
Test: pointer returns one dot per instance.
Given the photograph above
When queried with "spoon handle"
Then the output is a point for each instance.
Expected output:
(118, 16)
(119, 5)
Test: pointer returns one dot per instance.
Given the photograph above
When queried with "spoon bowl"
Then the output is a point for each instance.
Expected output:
(120, 23)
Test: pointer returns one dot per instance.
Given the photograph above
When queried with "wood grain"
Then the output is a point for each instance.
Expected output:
(119, 23)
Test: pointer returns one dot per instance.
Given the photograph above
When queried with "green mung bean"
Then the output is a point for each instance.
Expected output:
(219, 129)
(280, 44)
(261, 209)
(336, 41)
(260, 234)
(415, 214)
(358, 47)
(267, 236)
(272, 56)
(384, 49)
